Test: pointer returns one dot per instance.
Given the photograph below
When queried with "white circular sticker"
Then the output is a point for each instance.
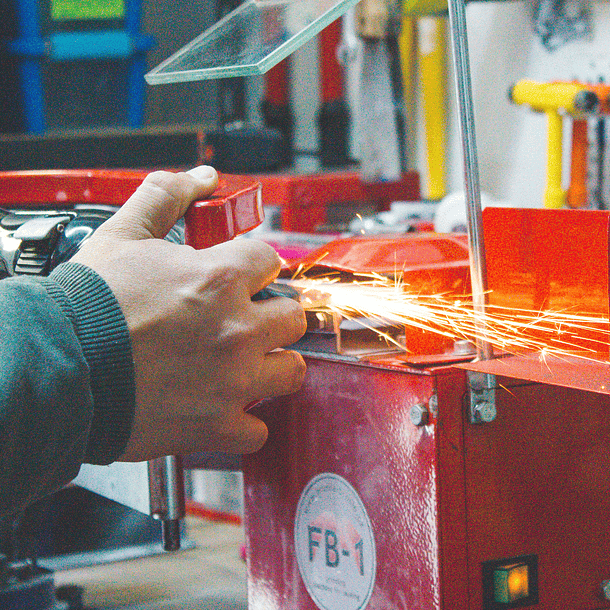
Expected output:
(334, 544)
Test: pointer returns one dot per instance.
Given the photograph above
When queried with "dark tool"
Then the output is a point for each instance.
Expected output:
(277, 290)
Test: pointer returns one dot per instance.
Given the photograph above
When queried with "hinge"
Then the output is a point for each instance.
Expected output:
(482, 397)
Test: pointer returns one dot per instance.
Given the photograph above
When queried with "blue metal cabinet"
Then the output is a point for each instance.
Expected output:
(70, 57)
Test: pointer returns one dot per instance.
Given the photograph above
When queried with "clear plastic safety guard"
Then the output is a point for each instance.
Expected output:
(250, 40)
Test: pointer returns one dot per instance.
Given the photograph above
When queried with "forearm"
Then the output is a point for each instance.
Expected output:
(66, 383)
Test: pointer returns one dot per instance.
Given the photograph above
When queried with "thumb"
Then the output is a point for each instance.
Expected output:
(161, 200)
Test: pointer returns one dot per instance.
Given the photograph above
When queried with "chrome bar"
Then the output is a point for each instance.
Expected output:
(476, 245)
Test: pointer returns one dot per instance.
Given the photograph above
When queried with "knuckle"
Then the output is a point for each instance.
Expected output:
(237, 337)
(260, 247)
(226, 275)
(261, 254)
(160, 179)
(175, 185)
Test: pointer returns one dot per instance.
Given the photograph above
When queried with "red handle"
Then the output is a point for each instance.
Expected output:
(234, 208)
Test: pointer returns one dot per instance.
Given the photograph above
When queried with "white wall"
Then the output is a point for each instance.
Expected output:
(511, 140)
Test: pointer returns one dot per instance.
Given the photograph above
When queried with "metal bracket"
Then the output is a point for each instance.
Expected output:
(482, 397)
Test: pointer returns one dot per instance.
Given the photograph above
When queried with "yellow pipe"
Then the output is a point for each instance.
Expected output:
(431, 50)
(554, 194)
(573, 98)
(424, 7)
(406, 48)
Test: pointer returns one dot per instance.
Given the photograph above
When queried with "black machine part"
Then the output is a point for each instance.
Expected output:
(34, 242)
(30, 587)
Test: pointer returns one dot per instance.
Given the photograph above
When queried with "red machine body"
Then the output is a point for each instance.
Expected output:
(376, 491)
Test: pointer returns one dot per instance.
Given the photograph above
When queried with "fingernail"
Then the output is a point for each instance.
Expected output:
(203, 172)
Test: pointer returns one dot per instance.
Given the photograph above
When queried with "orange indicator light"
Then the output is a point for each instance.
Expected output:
(511, 583)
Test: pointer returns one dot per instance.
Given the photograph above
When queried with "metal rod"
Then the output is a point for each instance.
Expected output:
(175, 503)
(476, 245)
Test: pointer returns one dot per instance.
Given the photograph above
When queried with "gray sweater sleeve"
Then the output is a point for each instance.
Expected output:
(67, 391)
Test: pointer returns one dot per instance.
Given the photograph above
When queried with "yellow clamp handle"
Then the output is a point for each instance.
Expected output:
(542, 97)
(551, 98)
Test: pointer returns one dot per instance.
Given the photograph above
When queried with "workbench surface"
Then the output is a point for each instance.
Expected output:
(211, 576)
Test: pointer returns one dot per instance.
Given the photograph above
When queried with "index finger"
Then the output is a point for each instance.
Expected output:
(256, 262)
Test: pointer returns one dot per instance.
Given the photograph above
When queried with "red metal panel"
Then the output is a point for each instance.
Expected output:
(429, 254)
(304, 199)
(537, 481)
(112, 187)
(443, 498)
(452, 509)
(549, 260)
(574, 373)
(353, 421)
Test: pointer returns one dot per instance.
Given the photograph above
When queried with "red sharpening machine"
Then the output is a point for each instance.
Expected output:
(383, 487)
(408, 481)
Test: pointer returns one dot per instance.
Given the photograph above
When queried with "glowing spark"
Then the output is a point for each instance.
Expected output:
(374, 300)
(505, 388)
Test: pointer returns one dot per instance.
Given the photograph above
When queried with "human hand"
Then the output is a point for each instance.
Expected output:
(202, 349)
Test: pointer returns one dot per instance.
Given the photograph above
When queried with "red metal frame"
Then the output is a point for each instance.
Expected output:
(25, 188)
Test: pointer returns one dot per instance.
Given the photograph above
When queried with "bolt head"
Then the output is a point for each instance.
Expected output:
(463, 348)
(419, 415)
(485, 411)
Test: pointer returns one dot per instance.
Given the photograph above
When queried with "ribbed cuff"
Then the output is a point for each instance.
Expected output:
(102, 330)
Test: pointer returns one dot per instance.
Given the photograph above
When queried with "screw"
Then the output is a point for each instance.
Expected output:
(484, 412)
(606, 589)
(419, 415)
